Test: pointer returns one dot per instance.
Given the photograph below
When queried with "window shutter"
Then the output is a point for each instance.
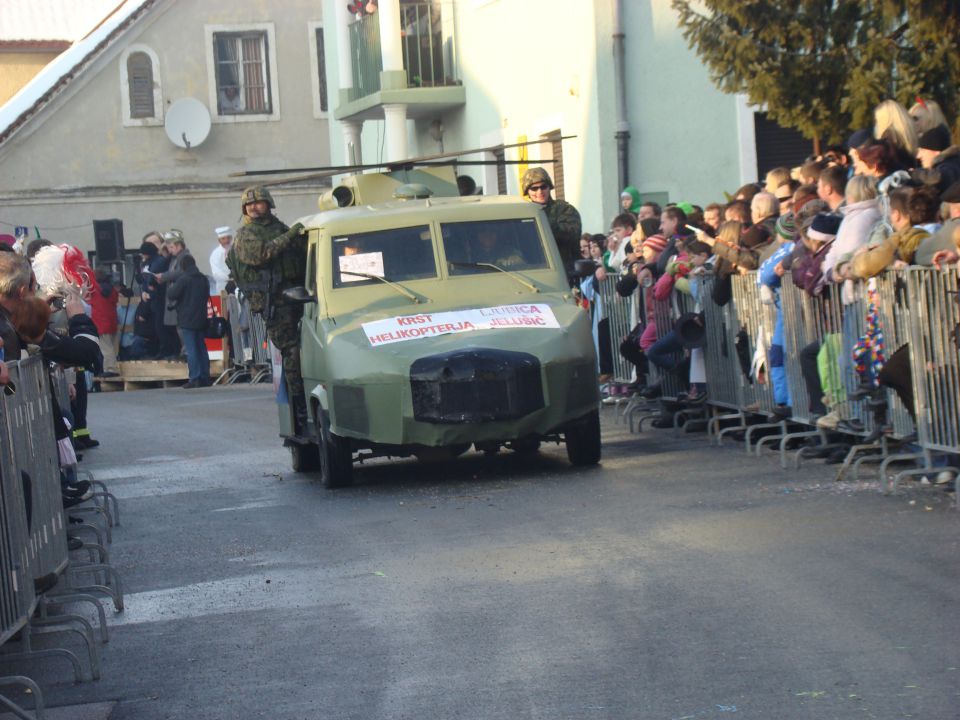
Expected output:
(499, 155)
(555, 151)
(321, 71)
(140, 85)
(778, 146)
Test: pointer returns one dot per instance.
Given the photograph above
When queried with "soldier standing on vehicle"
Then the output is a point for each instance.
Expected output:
(266, 258)
(563, 217)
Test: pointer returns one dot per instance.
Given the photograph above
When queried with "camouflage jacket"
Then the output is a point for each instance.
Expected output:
(565, 223)
(265, 259)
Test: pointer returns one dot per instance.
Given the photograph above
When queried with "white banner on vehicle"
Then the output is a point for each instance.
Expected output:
(426, 325)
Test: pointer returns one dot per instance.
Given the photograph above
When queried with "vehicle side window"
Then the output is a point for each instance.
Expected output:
(471, 247)
(396, 254)
(310, 282)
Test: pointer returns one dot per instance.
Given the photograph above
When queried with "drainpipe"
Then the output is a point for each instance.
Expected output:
(623, 127)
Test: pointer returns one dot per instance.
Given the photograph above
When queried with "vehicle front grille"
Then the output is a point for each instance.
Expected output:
(475, 385)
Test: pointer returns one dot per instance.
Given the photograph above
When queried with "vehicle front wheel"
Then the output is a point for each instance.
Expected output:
(583, 440)
(336, 460)
(304, 458)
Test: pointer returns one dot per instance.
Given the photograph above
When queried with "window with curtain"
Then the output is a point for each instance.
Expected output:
(241, 72)
(140, 85)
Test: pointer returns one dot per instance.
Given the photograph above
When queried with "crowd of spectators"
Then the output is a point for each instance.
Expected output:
(53, 304)
(888, 198)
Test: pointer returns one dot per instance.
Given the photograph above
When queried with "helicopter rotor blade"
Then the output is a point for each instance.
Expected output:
(317, 173)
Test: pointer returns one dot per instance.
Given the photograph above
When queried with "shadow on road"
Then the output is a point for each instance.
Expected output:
(387, 475)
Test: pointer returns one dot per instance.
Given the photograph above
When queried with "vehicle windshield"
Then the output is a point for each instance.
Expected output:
(508, 244)
(396, 254)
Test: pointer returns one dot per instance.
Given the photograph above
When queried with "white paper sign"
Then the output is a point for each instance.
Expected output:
(367, 263)
(426, 325)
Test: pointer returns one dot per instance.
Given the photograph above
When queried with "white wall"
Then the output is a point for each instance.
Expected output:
(684, 132)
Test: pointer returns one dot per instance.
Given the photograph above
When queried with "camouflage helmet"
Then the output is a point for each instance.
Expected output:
(255, 194)
(533, 176)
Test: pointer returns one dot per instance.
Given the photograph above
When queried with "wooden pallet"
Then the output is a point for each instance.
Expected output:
(146, 374)
(115, 384)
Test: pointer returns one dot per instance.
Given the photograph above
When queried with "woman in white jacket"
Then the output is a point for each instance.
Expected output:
(861, 213)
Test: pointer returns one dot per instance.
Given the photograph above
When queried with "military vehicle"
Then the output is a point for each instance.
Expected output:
(433, 322)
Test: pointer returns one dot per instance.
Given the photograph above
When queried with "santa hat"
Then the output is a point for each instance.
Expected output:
(657, 243)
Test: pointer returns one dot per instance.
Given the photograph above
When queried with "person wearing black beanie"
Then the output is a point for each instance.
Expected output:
(939, 158)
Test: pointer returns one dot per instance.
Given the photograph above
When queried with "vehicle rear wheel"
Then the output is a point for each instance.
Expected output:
(304, 458)
(583, 440)
(336, 460)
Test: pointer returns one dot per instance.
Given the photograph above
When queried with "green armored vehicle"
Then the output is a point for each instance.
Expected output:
(435, 323)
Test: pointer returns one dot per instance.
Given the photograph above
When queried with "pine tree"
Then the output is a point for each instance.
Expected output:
(821, 66)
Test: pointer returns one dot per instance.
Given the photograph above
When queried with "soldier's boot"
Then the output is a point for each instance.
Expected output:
(299, 406)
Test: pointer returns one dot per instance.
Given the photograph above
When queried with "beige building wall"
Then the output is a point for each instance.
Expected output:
(78, 161)
(18, 68)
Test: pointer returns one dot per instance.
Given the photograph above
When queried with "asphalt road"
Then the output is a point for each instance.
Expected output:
(677, 580)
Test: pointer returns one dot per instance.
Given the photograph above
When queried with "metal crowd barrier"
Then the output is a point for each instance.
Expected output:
(917, 308)
(935, 369)
(61, 388)
(30, 422)
(17, 600)
(757, 321)
(33, 541)
(624, 313)
(248, 343)
(36, 573)
(665, 314)
(620, 312)
(897, 321)
(725, 374)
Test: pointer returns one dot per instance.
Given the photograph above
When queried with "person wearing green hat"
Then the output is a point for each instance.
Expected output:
(630, 200)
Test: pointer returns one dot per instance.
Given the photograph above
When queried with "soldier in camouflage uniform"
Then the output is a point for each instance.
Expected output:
(563, 217)
(266, 258)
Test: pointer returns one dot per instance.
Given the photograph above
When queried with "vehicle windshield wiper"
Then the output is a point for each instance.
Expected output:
(399, 288)
(511, 273)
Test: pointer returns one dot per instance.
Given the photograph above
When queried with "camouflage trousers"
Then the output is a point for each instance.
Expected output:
(283, 328)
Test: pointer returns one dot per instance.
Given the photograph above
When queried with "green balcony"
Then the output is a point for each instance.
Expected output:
(429, 83)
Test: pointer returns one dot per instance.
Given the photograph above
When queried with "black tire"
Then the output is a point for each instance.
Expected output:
(304, 458)
(583, 440)
(336, 460)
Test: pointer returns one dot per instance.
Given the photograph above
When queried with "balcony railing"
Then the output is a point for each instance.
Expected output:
(365, 57)
(428, 49)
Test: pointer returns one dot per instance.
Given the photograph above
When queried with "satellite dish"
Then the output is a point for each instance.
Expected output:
(187, 122)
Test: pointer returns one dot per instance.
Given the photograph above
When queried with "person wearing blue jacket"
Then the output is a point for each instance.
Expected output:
(769, 278)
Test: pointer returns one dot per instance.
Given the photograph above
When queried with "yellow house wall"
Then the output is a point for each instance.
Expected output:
(18, 68)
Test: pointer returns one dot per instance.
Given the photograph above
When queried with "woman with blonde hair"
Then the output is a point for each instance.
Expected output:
(892, 123)
(927, 115)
